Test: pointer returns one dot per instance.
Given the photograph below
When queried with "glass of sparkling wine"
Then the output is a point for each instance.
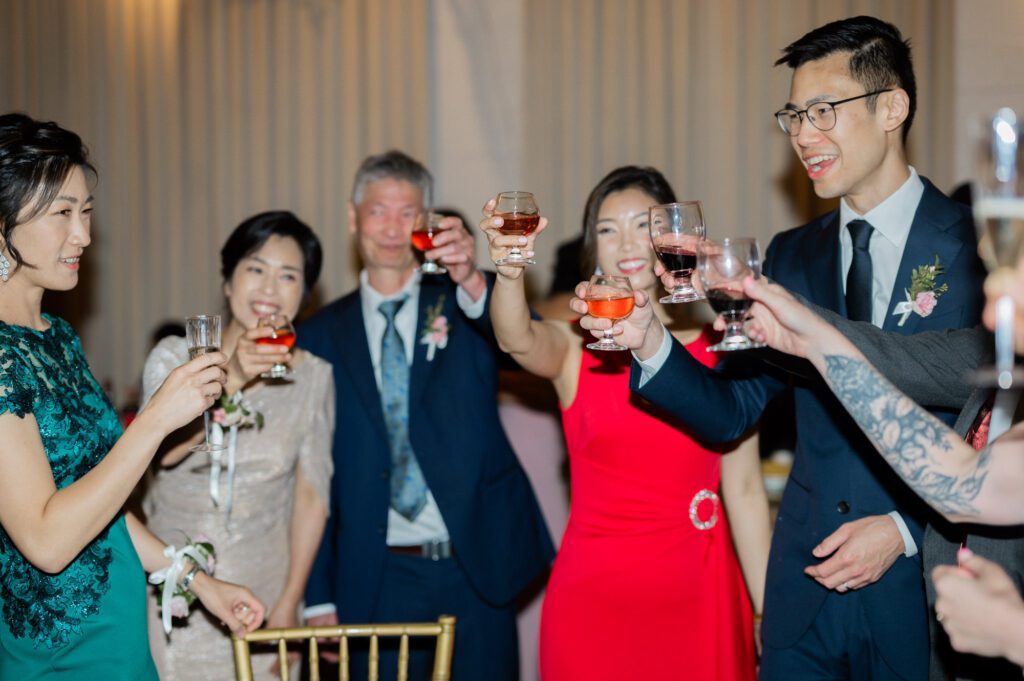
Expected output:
(284, 334)
(521, 217)
(676, 229)
(609, 298)
(202, 335)
(722, 267)
(999, 216)
(423, 232)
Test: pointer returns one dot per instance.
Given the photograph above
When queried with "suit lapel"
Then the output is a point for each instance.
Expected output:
(930, 236)
(824, 267)
(354, 351)
(423, 369)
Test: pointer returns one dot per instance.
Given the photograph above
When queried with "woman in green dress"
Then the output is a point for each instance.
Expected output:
(72, 580)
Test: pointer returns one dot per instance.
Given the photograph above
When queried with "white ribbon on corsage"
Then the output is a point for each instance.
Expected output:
(217, 463)
(169, 576)
(904, 309)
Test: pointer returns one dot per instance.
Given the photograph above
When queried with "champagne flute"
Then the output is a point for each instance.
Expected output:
(999, 216)
(676, 229)
(521, 217)
(611, 298)
(722, 267)
(427, 225)
(283, 334)
(202, 336)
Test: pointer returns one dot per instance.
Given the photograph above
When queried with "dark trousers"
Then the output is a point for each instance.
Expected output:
(837, 647)
(418, 589)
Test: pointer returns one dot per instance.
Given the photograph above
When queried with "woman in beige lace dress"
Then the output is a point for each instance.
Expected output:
(266, 516)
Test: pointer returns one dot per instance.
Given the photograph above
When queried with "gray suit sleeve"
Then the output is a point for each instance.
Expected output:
(931, 367)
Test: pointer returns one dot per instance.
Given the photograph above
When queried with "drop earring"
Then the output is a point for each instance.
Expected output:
(5, 267)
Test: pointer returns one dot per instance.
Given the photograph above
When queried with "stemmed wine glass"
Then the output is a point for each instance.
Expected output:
(999, 216)
(427, 225)
(521, 217)
(611, 298)
(676, 229)
(202, 336)
(284, 334)
(722, 267)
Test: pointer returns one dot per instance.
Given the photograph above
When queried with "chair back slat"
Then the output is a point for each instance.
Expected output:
(314, 659)
(282, 658)
(403, 658)
(374, 659)
(343, 659)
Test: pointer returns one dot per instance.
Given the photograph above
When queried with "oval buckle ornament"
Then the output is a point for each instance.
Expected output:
(704, 495)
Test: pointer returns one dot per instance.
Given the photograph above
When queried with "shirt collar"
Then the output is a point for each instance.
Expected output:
(891, 218)
(372, 298)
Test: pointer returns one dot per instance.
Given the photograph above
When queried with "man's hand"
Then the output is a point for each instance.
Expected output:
(781, 321)
(980, 608)
(635, 331)
(454, 248)
(325, 621)
(860, 553)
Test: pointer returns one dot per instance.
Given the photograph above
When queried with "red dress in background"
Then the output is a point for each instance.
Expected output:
(638, 590)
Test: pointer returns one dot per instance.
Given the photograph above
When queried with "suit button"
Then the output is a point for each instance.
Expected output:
(843, 507)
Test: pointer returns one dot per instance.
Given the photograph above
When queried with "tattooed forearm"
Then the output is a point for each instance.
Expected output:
(913, 441)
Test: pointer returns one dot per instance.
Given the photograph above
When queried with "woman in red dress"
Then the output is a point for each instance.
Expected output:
(646, 584)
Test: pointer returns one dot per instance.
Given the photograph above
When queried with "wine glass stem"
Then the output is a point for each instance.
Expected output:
(1004, 340)
(734, 328)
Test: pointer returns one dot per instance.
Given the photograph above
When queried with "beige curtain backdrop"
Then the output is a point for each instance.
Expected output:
(203, 112)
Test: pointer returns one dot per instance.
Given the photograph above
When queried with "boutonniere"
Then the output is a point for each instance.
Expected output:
(435, 329)
(923, 294)
(231, 413)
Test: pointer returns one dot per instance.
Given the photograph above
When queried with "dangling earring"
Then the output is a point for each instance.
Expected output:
(5, 267)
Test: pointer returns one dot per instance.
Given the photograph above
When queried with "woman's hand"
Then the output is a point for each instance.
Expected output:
(250, 359)
(186, 393)
(499, 245)
(232, 604)
(633, 331)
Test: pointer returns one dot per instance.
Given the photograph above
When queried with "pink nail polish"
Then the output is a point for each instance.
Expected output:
(964, 554)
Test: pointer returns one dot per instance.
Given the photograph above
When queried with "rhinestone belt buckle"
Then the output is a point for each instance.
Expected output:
(704, 495)
(437, 550)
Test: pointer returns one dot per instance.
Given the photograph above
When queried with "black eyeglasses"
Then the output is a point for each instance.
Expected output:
(822, 115)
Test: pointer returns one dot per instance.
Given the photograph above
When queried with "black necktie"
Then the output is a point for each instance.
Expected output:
(859, 278)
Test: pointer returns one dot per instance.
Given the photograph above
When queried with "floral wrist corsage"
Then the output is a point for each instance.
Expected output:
(174, 599)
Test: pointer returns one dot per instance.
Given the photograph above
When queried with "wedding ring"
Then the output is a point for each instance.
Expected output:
(844, 587)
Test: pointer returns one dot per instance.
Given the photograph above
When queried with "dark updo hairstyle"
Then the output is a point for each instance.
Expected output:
(648, 180)
(250, 236)
(36, 158)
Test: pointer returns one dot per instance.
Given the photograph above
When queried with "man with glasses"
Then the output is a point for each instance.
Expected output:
(845, 597)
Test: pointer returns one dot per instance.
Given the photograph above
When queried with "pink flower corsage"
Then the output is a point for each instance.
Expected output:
(435, 329)
(923, 295)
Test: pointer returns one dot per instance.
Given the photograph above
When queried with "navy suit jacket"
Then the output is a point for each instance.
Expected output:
(837, 476)
(497, 531)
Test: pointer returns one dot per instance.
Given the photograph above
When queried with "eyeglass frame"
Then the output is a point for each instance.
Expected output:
(801, 113)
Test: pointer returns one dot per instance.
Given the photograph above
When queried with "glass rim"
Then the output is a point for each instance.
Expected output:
(674, 204)
(516, 193)
(203, 316)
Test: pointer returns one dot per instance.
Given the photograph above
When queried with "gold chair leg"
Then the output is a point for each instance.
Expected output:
(445, 646)
(243, 665)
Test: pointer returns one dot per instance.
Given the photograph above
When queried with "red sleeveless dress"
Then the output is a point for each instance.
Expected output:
(646, 584)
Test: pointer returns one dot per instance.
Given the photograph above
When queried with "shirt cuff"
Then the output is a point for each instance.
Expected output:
(319, 609)
(651, 366)
(474, 309)
(909, 545)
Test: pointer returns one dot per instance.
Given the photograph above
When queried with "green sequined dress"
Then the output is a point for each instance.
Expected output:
(89, 620)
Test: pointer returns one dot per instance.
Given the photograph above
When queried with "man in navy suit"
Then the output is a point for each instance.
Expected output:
(431, 512)
(845, 597)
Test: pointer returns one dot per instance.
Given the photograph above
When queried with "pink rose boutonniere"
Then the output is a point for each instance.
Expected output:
(435, 329)
(923, 295)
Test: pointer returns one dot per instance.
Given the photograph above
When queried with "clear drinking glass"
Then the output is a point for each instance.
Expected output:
(676, 229)
(202, 336)
(284, 334)
(999, 216)
(611, 298)
(722, 267)
(427, 225)
(521, 217)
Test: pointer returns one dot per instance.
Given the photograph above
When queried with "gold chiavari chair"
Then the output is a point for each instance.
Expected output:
(443, 630)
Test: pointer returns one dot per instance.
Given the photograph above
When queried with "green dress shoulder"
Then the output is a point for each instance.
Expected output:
(89, 620)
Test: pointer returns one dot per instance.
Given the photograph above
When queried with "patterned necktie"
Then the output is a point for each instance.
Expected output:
(859, 278)
(408, 488)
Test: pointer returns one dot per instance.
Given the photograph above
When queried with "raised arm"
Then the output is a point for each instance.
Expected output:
(959, 482)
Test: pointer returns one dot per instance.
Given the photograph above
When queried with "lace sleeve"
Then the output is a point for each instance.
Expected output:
(315, 458)
(17, 382)
(166, 356)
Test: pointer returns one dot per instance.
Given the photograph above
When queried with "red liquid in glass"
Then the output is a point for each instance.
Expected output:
(285, 339)
(423, 240)
(610, 308)
(518, 224)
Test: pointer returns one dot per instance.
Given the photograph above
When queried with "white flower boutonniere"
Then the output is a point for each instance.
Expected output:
(435, 329)
(923, 295)
(230, 413)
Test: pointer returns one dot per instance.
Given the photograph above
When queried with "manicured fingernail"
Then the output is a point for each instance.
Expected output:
(964, 554)
(522, 240)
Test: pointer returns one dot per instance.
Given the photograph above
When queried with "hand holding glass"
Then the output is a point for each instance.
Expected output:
(520, 216)
(609, 298)
(427, 225)
(722, 267)
(284, 334)
(202, 336)
(676, 229)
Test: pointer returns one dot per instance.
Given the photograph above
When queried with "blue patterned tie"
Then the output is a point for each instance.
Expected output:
(408, 488)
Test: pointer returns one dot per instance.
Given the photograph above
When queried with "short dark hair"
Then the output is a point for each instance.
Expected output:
(648, 180)
(396, 165)
(879, 56)
(249, 236)
(36, 158)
